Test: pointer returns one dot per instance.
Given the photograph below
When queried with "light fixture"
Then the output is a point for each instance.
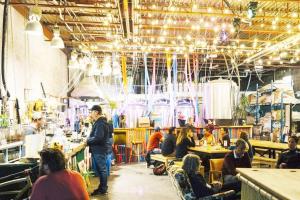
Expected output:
(33, 26)
(56, 41)
(252, 7)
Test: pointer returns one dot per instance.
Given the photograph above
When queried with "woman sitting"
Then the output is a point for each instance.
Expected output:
(184, 140)
(200, 188)
(225, 141)
(56, 181)
(244, 136)
(208, 136)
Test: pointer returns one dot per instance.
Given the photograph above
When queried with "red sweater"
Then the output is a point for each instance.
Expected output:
(62, 185)
(231, 163)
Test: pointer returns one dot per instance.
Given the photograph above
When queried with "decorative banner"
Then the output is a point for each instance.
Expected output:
(195, 66)
(124, 74)
(175, 88)
(174, 66)
(153, 74)
(147, 81)
(169, 71)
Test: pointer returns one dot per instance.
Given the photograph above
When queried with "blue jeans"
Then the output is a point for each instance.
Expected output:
(108, 163)
(99, 161)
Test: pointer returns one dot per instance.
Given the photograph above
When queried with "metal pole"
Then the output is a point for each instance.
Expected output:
(4, 32)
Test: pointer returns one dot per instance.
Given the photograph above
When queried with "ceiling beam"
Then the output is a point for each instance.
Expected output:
(81, 6)
(207, 14)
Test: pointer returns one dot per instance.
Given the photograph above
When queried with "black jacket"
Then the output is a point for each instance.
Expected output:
(169, 145)
(182, 148)
(291, 158)
(98, 138)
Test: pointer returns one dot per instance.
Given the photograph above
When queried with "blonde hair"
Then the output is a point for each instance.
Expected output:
(181, 136)
(191, 163)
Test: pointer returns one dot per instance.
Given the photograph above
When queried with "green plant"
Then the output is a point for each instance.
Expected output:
(240, 110)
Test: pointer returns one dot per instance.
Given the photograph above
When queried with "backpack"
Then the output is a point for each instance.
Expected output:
(159, 170)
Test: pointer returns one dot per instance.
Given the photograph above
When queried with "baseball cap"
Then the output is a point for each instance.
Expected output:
(96, 108)
(37, 115)
(157, 129)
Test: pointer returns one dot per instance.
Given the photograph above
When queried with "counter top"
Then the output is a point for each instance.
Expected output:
(74, 148)
(11, 145)
(281, 183)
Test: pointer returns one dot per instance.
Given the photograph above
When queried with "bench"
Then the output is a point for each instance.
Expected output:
(162, 159)
(264, 160)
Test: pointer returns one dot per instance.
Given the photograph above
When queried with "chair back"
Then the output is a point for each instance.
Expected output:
(215, 173)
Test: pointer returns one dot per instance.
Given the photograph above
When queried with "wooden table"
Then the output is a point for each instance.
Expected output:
(271, 147)
(281, 184)
(209, 152)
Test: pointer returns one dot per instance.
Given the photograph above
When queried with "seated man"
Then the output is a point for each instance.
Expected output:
(290, 159)
(235, 159)
(169, 144)
(153, 143)
(200, 188)
(56, 181)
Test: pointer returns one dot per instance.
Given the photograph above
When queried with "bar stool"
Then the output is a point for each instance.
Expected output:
(136, 150)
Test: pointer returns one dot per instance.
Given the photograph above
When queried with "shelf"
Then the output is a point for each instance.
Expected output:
(13, 160)
(11, 145)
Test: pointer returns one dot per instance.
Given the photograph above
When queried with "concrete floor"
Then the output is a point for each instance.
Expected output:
(135, 182)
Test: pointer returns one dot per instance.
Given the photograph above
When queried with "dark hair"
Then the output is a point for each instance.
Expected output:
(54, 158)
(225, 129)
(294, 137)
(207, 128)
(191, 163)
(157, 129)
(97, 108)
(244, 136)
(171, 130)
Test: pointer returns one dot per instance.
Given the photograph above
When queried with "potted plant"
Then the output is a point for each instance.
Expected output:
(240, 110)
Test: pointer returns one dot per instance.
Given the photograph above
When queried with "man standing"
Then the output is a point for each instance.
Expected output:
(97, 141)
(36, 125)
(290, 159)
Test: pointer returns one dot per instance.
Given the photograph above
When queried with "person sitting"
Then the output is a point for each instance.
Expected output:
(225, 141)
(235, 159)
(290, 159)
(244, 136)
(169, 144)
(184, 140)
(153, 143)
(199, 186)
(56, 181)
(208, 136)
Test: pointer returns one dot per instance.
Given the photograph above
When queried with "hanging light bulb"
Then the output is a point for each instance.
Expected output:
(33, 26)
(56, 41)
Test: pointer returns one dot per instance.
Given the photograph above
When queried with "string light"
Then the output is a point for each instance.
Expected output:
(294, 15)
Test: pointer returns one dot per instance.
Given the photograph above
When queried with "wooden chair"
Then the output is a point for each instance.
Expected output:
(215, 173)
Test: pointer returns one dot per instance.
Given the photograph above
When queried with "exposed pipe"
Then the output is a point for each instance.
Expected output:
(4, 33)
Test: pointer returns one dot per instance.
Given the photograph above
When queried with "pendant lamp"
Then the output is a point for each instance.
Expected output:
(33, 26)
(56, 41)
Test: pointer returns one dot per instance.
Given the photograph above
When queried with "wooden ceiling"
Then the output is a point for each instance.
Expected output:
(185, 27)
